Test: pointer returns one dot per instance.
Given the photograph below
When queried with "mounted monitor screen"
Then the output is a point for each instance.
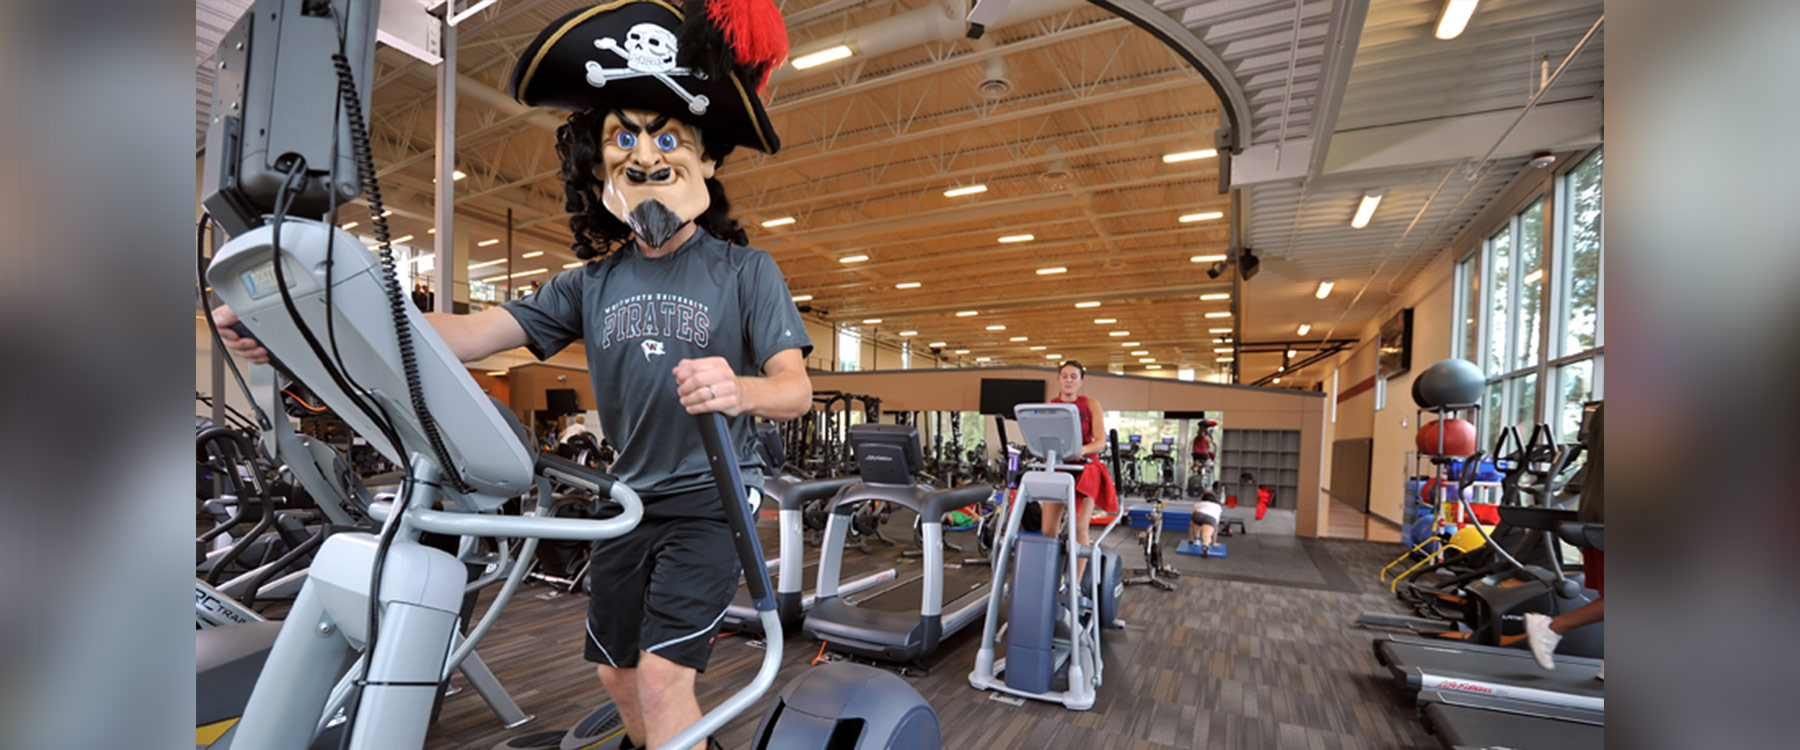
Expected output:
(1396, 345)
(560, 401)
(886, 453)
(1000, 395)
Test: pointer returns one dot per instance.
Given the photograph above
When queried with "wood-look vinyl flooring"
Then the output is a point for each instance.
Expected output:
(1231, 659)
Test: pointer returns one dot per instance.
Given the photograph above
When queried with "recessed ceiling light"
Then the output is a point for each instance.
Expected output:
(1276, 381)
(968, 313)
(1202, 216)
(908, 285)
(996, 328)
(1218, 341)
(1153, 367)
(1140, 352)
(406, 238)
(938, 344)
(1039, 348)
(1218, 330)
(1365, 210)
(488, 243)
(1218, 315)
(432, 230)
(1291, 353)
(456, 174)
(1118, 333)
(1061, 269)
(1146, 360)
(1020, 338)
(1106, 321)
(1304, 327)
(1181, 156)
(1012, 238)
(783, 221)
(532, 254)
(1453, 18)
(351, 225)
(909, 333)
(1215, 296)
(532, 272)
(1129, 344)
(1087, 304)
(1324, 289)
(962, 351)
(576, 263)
(871, 321)
(965, 190)
(802, 297)
(1206, 258)
(853, 259)
(982, 359)
(821, 57)
(1222, 350)
(486, 263)
(1224, 359)
(1053, 356)
(387, 213)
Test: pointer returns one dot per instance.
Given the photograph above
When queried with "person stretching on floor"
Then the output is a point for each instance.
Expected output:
(1203, 523)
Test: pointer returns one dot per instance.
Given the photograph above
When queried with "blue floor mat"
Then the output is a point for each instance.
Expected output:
(1191, 548)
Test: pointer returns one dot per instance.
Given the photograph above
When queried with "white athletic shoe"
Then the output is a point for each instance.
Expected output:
(1543, 639)
(1600, 674)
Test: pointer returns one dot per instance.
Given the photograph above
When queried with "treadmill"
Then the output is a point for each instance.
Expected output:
(1437, 670)
(1468, 728)
(904, 622)
(785, 534)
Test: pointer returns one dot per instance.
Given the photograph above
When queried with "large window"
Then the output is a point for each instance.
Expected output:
(849, 349)
(1528, 308)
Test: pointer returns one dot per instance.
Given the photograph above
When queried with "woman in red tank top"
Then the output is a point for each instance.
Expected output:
(1094, 486)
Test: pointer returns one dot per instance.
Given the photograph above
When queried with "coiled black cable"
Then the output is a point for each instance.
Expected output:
(364, 160)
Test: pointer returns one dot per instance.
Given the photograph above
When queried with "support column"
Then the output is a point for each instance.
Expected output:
(452, 266)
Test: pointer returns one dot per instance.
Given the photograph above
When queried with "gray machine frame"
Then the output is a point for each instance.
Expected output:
(791, 601)
(1052, 432)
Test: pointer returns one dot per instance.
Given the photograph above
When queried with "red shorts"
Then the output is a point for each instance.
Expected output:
(1593, 563)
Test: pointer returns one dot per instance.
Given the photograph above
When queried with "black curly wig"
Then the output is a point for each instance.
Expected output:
(597, 232)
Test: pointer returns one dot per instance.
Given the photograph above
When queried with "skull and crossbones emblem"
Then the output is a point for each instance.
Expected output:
(649, 50)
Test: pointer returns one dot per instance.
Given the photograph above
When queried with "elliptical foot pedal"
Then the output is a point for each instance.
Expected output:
(600, 730)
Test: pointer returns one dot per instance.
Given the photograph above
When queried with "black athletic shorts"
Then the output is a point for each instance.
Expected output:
(1202, 519)
(663, 588)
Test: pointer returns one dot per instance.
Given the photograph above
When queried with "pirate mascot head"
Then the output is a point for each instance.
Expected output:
(660, 91)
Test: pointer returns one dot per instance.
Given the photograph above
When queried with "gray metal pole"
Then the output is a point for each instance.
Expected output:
(444, 210)
(509, 254)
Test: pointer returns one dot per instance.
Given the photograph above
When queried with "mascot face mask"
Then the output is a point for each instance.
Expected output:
(655, 174)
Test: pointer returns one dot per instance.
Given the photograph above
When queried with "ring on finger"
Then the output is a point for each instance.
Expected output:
(709, 390)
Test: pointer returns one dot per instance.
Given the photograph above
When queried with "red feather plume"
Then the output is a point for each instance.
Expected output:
(755, 32)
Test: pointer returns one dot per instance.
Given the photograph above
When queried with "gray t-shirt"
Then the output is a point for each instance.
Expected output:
(640, 316)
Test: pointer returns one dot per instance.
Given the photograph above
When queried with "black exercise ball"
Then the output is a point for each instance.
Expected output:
(1417, 398)
(1451, 384)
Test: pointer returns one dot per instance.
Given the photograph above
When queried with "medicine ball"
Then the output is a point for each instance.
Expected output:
(1451, 384)
(1459, 438)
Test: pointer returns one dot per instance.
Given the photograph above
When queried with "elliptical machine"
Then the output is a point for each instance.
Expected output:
(1046, 634)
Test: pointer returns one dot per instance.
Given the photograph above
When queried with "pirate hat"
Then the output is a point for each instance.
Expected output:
(704, 62)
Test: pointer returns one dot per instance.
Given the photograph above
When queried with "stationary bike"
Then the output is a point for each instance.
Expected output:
(1156, 569)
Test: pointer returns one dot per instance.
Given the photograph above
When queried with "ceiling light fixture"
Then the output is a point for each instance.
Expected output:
(1106, 321)
(1181, 156)
(488, 243)
(1304, 327)
(456, 174)
(486, 263)
(802, 298)
(1532, 278)
(398, 240)
(781, 222)
(1140, 352)
(432, 230)
(1146, 360)
(1224, 359)
(1366, 210)
(1291, 353)
(1222, 350)
(937, 344)
(968, 313)
(1039, 348)
(1218, 330)
(576, 263)
(1324, 289)
(532, 254)
(1454, 18)
(1214, 297)
(1118, 333)
(871, 321)
(1053, 356)
(962, 351)
(853, 259)
(387, 213)
(1153, 367)
(1206, 258)
(909, 333)
(996, 328)
(983, 359)
(1218, 315)
(966, 190)
(1130, 344)
(351, 225)
(815, 59)
(1087, 304)
(1015, 238)
(1202, 216)
(908, 285)
(532, 272)
(1052, 271)
(1019, 338)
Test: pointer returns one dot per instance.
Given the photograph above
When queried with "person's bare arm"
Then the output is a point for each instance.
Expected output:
(470, 337)
(783, 392)
(1097, 416)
